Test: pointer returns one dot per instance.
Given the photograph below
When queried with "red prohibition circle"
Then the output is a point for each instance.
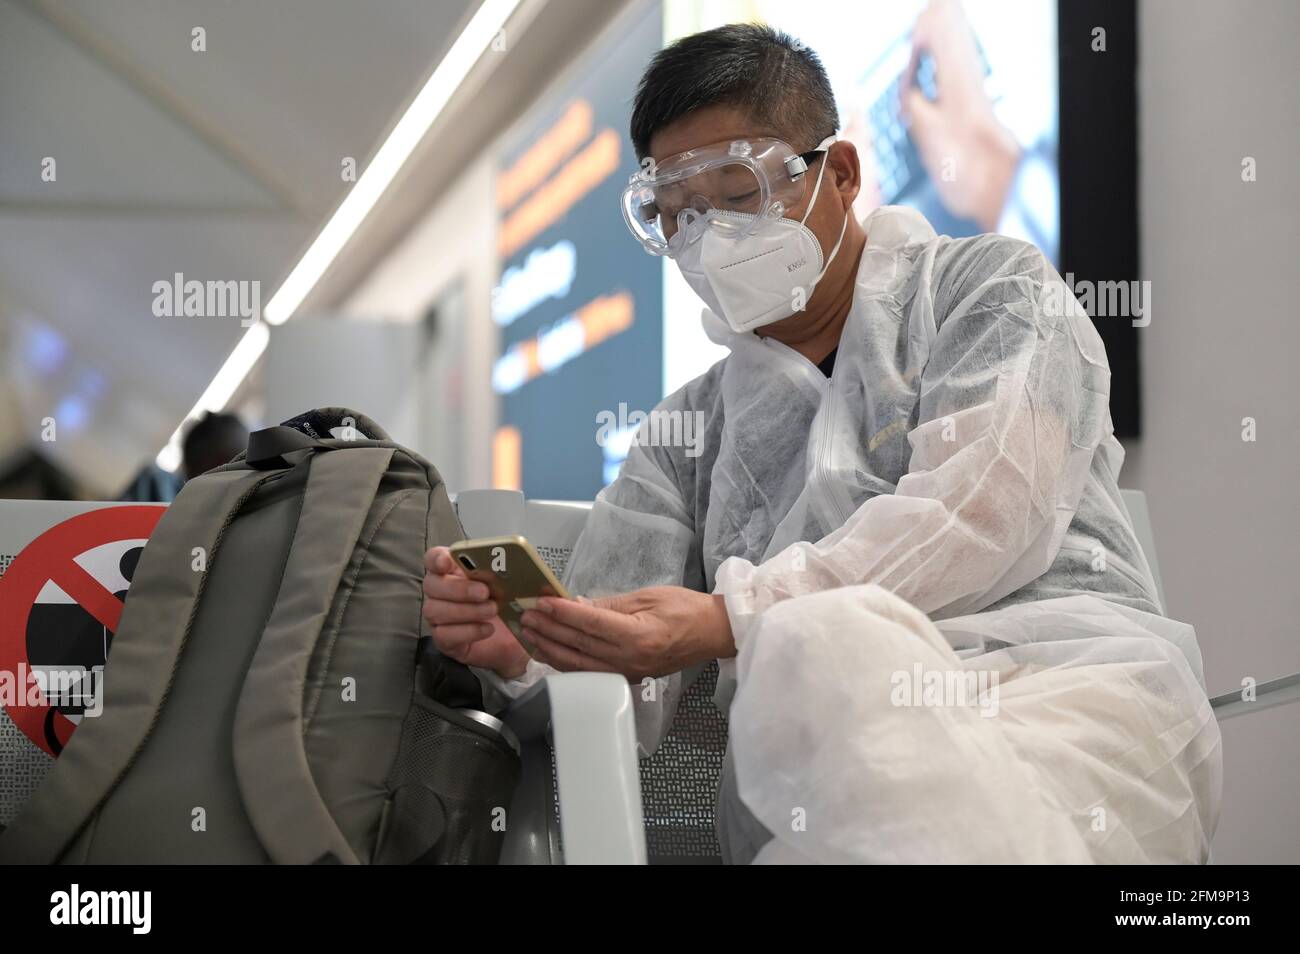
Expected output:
(52, 556)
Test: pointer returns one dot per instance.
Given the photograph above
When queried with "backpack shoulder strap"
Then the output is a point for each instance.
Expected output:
(275, 779)
(155, 624)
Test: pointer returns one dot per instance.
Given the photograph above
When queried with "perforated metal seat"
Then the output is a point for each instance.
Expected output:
(679, 783)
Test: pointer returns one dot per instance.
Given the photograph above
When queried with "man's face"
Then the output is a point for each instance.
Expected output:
(723, 124)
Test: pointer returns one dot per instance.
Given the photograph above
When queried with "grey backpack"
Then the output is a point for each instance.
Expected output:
(269, 696)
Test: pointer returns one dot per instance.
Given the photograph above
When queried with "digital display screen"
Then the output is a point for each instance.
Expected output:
(578, 303)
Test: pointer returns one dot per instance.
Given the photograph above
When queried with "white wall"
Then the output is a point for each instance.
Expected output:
(456, 241)
(1218, 82)
(366, 366)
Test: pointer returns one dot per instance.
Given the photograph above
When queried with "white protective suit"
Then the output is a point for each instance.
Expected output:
(948, 502)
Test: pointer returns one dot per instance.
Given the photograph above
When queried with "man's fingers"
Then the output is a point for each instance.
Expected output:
(562, 657)
(459, 589)
(440, 612)
(923, 27)
(624, 603)
(580, 641)
(454, 637)
(907, 79)
(920, 114)
(606, 624)
(440, 560)
(444, 579)
(916, 110)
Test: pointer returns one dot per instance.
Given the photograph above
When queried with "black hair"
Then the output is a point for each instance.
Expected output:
(212, 441)
(777, 80)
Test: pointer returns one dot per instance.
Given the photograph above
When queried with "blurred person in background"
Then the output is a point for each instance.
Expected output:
(210, 442)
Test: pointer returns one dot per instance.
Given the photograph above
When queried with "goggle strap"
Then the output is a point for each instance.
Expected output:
(816, 189)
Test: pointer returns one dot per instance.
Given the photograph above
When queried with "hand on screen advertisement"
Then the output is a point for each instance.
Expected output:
(967, 152)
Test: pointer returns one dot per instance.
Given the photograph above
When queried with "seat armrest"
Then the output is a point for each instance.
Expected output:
(597, 776)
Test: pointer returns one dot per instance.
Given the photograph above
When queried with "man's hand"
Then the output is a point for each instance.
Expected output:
(650, 632)
(464, 622)
(970, 156)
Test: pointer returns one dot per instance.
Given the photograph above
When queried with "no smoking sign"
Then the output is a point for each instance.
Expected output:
(60, 602)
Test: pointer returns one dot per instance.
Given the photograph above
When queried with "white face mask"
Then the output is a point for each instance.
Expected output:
(759, 279)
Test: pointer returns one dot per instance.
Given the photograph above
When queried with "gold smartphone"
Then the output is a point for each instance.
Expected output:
(515, 576)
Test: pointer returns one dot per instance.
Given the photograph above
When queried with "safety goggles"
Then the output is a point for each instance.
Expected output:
(730, 186)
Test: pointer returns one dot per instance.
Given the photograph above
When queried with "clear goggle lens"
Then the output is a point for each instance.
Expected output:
(744, 183)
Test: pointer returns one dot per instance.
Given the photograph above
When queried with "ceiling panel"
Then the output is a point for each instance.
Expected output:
(301, 83)
(221, 165)
(110, 144)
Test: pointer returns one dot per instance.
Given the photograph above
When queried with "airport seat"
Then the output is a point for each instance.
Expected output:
(671, 795)
(587, 788)
(1135, 501)
(579, 794)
